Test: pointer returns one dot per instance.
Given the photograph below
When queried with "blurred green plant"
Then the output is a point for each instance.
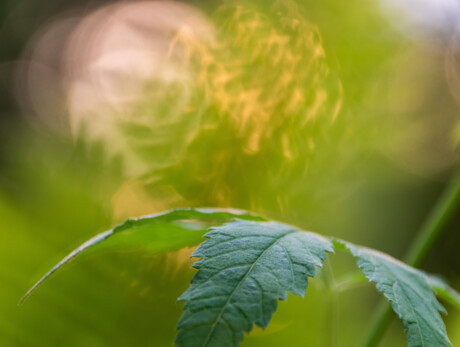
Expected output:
(227, 135)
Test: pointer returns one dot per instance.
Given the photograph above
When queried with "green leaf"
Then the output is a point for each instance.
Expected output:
(443, 290)
(245, 267)
(165, 231)
(410, 294)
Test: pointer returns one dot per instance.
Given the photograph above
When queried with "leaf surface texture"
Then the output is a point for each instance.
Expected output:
(245, 268)
(410, 293)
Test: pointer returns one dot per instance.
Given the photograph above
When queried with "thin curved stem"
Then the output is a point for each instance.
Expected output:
(435, 223)
(332, 312)
(380, 323)
(350, 281)
(426, 238)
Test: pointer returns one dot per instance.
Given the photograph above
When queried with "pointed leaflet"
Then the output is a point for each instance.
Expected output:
(165, 231)
(245, 268)
(410, 294)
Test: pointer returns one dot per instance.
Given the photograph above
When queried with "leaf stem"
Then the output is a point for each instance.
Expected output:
(332, 312)
(425, 239)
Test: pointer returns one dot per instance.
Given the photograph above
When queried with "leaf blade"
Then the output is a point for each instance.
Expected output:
(245, 267)
(409, 292)
(153, 225)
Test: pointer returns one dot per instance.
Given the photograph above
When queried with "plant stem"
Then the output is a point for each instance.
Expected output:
(332, 312)
(437, 219)
(426, 238)
(380, 323)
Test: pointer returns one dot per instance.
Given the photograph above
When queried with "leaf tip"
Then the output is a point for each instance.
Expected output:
(91, 242)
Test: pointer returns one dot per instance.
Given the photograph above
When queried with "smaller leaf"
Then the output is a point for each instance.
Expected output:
(409, 292)
(245, 267)
(159, 232)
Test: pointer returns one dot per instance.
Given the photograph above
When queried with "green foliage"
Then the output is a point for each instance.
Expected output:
(410, 293)
(170, 230)
(248, 264)
(245, 268)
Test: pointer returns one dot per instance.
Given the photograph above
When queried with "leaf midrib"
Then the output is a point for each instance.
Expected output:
(411, 307)
(396, 282)
(239, 284)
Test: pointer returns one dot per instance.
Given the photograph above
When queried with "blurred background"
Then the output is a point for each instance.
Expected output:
(341, 118)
